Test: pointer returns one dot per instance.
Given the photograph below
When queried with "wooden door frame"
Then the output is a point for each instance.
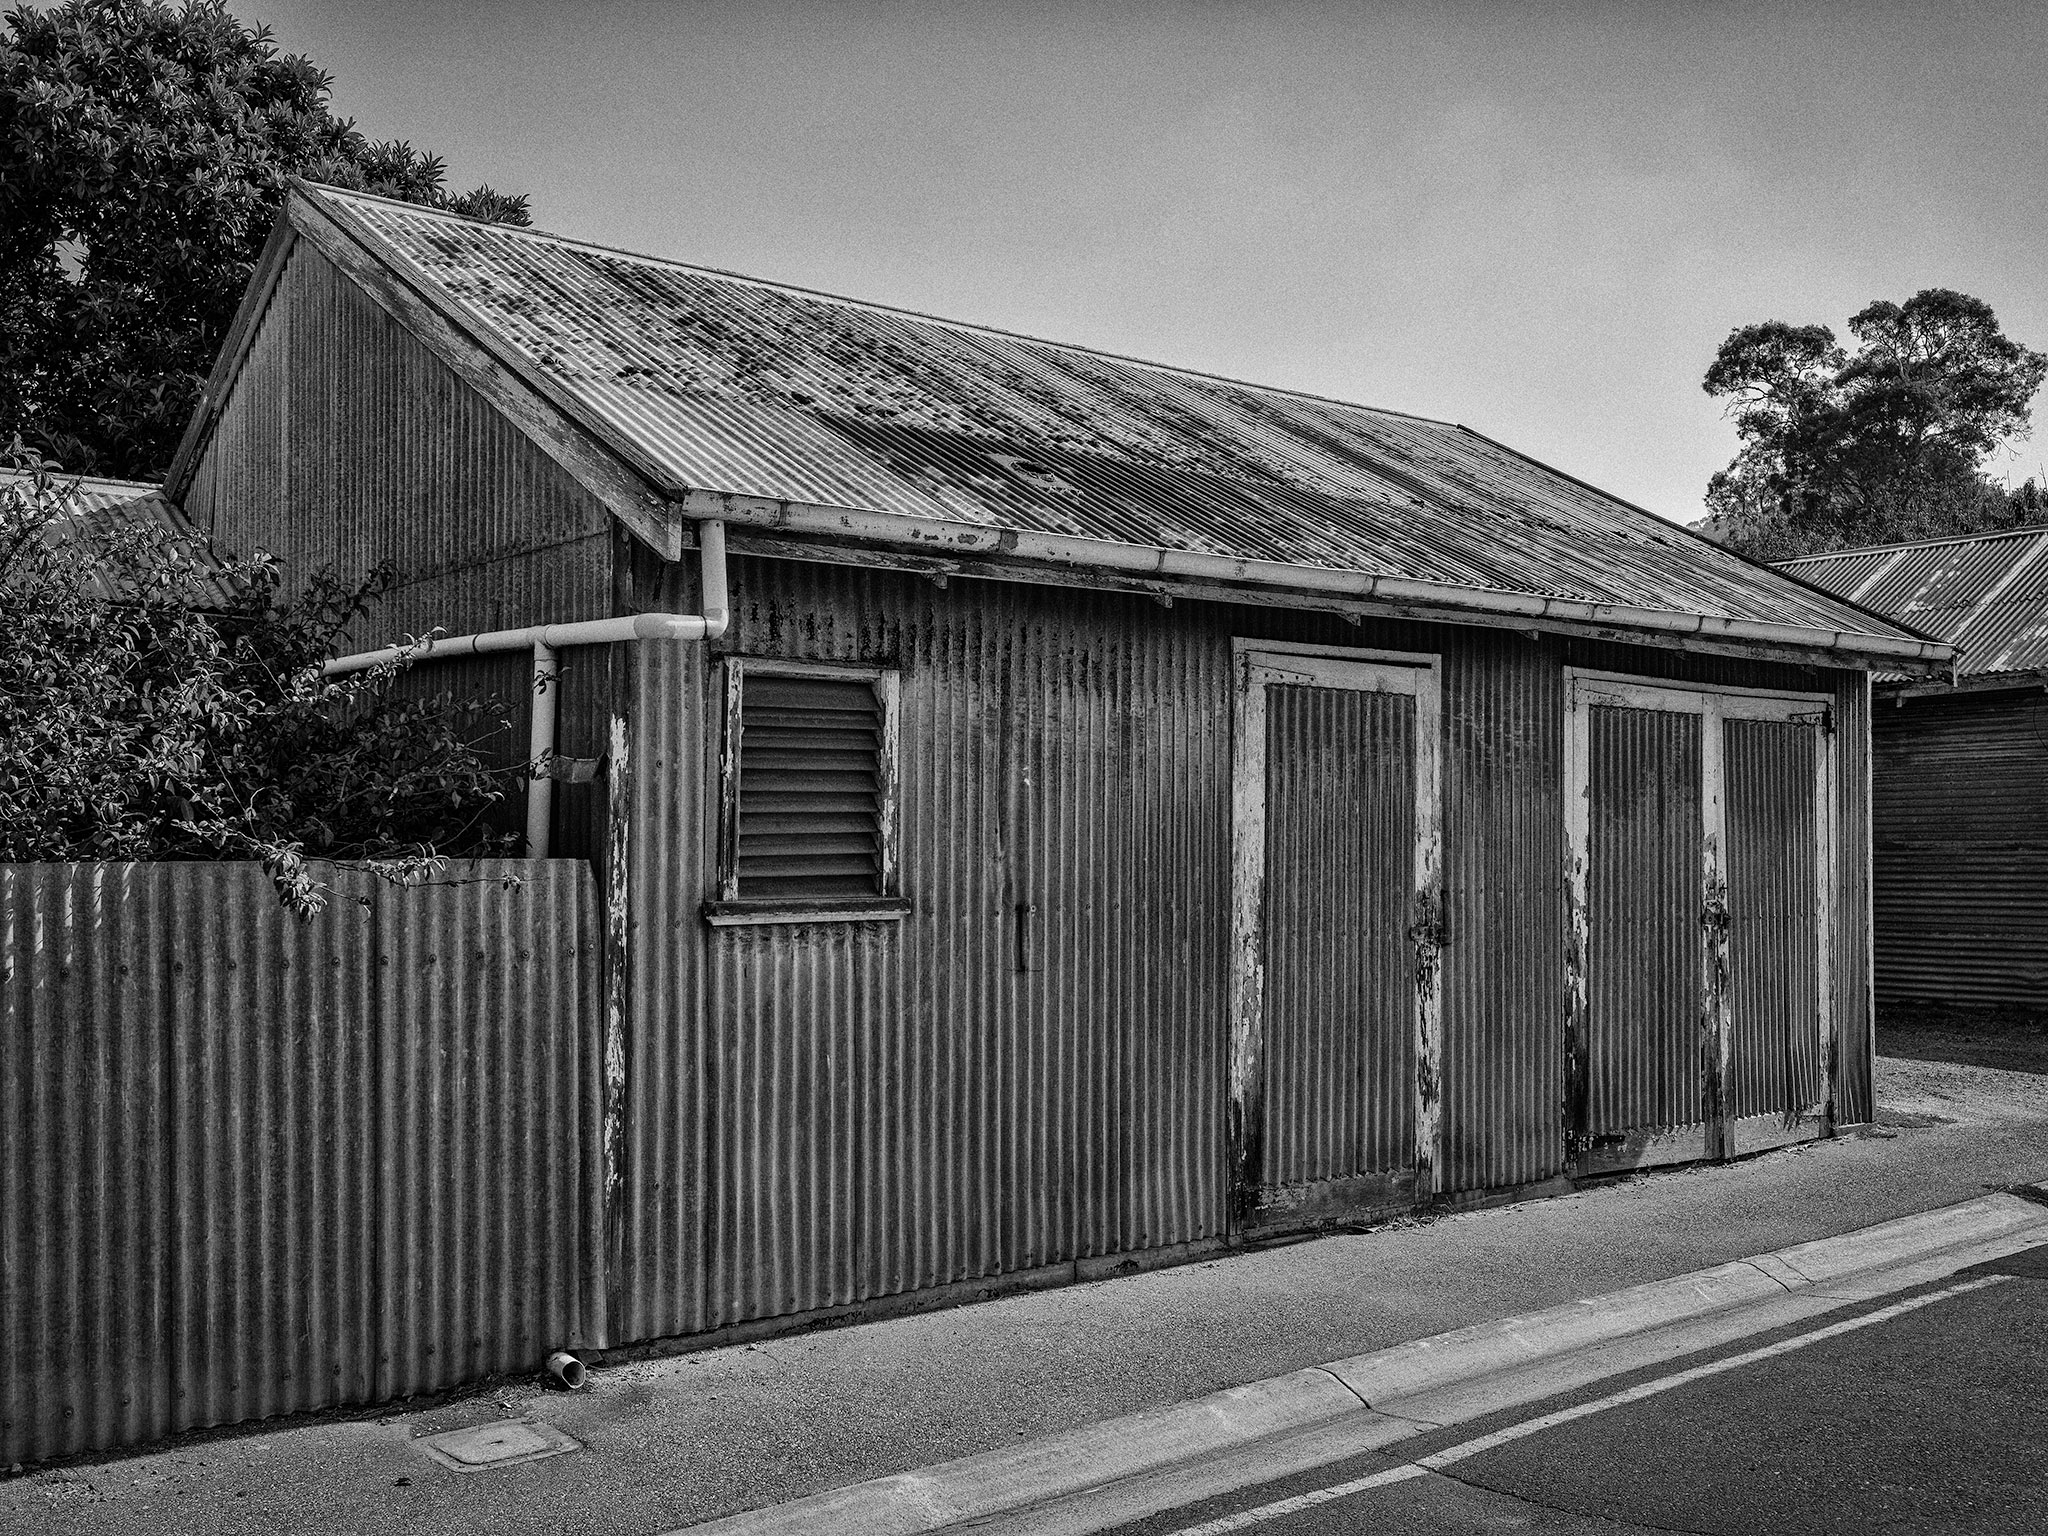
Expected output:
(1256, 664)
(1715, 704)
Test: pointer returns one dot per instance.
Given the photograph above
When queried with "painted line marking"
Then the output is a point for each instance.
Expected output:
(1422, 1466)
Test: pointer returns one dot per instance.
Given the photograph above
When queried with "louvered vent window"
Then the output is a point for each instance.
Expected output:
(811, 786)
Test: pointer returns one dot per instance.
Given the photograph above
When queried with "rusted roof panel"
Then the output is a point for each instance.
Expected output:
(1987, 595)
(100, 508)
(725, 384)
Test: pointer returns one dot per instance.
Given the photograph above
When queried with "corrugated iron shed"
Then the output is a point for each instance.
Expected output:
(710, 384)
(1986, 594)
(99, 508)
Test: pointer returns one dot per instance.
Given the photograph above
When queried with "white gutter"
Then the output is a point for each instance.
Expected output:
(543, 640)
(930, 536)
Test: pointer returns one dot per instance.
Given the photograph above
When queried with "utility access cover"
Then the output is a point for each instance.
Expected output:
(503, 1444)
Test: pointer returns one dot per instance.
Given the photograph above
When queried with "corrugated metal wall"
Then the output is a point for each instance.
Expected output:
(1961, 801)
(1503, 1081)
(346, 443)
(255, 1166)
(1029, 1069)
(1339, 995)
(1773, 860)
(1003, 1081)
(1643, 971)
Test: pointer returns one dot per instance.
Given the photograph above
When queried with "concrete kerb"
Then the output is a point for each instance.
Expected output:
(994, 1482)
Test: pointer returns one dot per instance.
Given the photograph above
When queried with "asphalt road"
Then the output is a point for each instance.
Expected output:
(1933, 1419)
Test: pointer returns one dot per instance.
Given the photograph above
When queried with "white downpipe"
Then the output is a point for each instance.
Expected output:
(540, 786)
(544, 640)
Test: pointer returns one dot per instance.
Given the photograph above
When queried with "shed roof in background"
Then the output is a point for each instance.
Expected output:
(103, 507)
(1986, 594)
(710, 384)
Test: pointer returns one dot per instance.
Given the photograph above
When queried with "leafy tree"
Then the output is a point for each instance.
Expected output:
(145, 151)
(1881, 442)
(155, 704)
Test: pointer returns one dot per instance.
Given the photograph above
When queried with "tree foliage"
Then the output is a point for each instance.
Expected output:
(145, 151)
(156, 705)
(1880, 442)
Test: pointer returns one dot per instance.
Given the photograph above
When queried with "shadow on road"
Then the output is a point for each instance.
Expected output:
(2009, 1041)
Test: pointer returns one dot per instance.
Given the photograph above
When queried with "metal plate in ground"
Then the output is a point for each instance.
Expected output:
(505, 1443)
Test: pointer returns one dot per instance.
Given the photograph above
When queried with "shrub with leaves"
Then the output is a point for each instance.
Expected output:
(158, 704)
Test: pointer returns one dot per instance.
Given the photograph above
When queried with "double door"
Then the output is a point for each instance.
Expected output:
(1698, 850)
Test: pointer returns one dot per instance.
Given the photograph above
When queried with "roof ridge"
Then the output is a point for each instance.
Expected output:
(2024, 530)
(529, 232)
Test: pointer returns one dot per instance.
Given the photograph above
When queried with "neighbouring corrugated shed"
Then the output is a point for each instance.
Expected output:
(1961, 805)
(1986, 594)
(716, 383)
(100, 509)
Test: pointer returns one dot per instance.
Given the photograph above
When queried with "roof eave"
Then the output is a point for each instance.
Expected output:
(2021, 680)
(1775, 570)
(930, 537)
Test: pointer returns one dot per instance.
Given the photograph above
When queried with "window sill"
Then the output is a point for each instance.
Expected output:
(754, 914)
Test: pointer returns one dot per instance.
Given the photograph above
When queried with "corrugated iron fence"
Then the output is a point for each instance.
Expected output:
(252, 1166)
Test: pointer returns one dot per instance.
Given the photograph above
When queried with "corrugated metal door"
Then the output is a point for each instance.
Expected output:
(1339, 893)
(1777, 879)
(1698, 857)
(1643, 973)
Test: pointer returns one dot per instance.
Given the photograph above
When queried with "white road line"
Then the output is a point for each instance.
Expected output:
(1422, 1466)
(1299, 1502)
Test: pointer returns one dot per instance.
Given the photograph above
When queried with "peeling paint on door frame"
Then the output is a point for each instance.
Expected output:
(1714, 703)
(1256, 664)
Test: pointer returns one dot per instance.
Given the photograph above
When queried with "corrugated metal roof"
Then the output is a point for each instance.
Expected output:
(1986, 594)
(717, 383)
(102, 507)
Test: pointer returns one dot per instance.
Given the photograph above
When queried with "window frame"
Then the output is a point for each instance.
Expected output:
(729, 908)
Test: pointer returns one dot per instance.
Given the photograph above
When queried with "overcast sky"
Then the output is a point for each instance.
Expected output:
(1536, 219)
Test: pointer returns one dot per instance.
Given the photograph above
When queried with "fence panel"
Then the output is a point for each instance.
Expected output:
(253, 1166)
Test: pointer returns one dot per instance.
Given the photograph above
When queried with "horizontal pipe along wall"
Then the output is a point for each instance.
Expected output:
(1024, 1079)
(318, 457)
(256, 1166)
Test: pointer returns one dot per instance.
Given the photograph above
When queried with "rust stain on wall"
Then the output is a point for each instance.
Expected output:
(1714, 925)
